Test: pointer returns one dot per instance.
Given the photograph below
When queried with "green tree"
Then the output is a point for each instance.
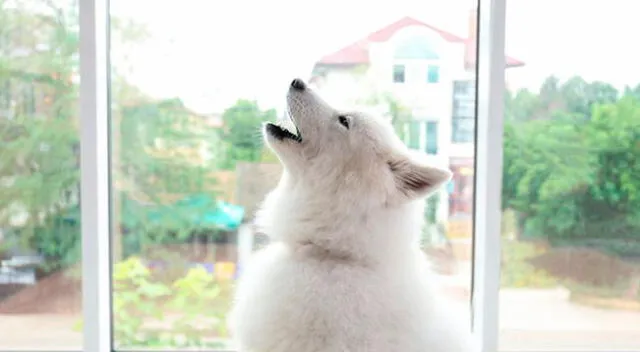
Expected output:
(241, 132)
(632, 91)
(166, 154)
(164, 148)
(580, 96)
(575, 181)
(575, 96)
(39, 125)
(522, 106)
(38, 115)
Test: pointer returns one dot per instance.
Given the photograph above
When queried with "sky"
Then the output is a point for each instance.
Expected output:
(210, 53)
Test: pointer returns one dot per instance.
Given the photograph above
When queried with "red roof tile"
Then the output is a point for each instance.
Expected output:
(358, 52)
(387, 32)
(470, 56)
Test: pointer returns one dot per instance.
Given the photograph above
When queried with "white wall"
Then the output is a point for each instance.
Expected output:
(346, 86)
(428, 101)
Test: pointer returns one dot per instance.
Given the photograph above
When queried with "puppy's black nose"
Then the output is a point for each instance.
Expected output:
(298, 84)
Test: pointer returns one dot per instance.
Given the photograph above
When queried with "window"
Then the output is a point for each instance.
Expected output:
(163, 187)
(433, 74)
(463, 119)
(40, 236)
(570, 243)
(421, 135)
(414, 134)
(398, 73)
(431, 132)
(462, 129)
(464, 107)
(416, 46)
(464, 89)
(129, 227)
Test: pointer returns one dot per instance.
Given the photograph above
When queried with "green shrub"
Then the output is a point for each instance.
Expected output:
(517, 272)
(149, 313)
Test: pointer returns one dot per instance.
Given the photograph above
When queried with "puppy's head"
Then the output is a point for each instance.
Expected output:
(347, 154)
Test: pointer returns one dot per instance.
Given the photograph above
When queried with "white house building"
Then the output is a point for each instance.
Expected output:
(431, 74)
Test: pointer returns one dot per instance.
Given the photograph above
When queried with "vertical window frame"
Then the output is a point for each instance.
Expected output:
(95, 175)
(490, 85)
(94, 113)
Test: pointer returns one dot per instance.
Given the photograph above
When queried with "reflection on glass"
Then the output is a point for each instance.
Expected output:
(190, 169)
(40, 267)
(571, 219)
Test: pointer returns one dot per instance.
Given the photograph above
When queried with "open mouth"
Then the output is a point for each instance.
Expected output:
(280, 132)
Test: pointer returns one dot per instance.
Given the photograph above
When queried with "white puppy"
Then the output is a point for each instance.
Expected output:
(344, 272)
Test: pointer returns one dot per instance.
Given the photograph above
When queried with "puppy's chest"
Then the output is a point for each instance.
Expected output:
(327, 289)
(309, 301)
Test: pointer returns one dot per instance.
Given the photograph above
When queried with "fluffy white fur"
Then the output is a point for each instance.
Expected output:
(343, 272)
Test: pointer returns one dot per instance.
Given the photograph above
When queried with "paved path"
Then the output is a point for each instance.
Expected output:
(531, 320)
(39, 332)
(543, 320)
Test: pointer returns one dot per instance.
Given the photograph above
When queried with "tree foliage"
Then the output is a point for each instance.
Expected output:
(157, 149)
(241, 132)
(571, 167)
(38, 113)
(164, 149)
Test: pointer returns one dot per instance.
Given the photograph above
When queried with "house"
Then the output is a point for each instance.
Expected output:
(424, 78)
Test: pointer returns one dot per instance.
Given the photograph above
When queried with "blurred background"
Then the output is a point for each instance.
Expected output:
(191, 84)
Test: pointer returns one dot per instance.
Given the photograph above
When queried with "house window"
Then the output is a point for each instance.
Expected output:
(416, 47)
(398, 73)
(464, 107)
(464, 88)
(464, 112)
(422, 135)
(414, 134)
(431, 132)
(433, 74)
(462, 129)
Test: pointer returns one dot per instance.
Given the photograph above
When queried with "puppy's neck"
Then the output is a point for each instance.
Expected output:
(310, 250)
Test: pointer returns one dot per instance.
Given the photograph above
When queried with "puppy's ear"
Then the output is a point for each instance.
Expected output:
(415, 179)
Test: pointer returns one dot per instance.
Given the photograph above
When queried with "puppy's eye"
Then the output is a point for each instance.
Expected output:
(344, 121)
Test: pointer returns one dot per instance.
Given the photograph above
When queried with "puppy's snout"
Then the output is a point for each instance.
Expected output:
(298, 84)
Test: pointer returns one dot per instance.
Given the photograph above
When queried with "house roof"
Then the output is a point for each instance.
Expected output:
(358, 52)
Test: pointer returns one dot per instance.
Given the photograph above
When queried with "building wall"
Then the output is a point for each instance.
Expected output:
(367, 85)
(361, 85)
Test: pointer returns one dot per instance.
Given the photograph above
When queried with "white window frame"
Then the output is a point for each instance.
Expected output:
(94, 114)
(490, 87)
(95, 172)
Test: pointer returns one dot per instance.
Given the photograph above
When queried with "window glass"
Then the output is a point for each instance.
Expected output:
(571, 220)
(431, 132)
(189, 167)
(398, 73)
(40, 243)
(416, 46)
(414, 134)
(463, 119)
(463, 129)
(433, 74)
